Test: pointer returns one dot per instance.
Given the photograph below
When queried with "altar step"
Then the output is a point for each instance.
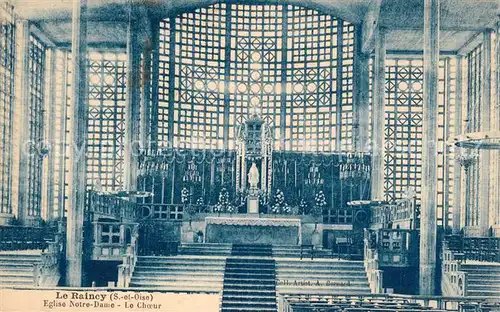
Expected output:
(278, 251)
(179, 273)
(483, 278)
(17, 268)
(249, 280)
(321, 276)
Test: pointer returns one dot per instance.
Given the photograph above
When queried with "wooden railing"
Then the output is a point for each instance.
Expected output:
(454, 281)
(111, 206)
(112, 239)
(126, 269)
(371, 264)
(25, 238)
(474, 248)
(401, 212)
(368, 302)
(48, 271)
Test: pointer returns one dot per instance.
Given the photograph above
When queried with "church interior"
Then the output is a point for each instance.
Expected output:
(288, 156)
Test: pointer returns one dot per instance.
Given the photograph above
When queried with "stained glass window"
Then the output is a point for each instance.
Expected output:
(404, 126)
(106, 120)
(312, 73)
(7, 65)
(163, 82)
(255, 75)
(294, 65)
(475, 75)
(61, 102)
(199, 78)
(36, 91)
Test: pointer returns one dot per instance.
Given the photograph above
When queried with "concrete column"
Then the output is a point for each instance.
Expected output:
(485, 118)
(76, 209)
(496, 124)
(378, 117)
(48, 200)
(457, 173)
(428, 228)
(63, 137)
(22, 132)
(18, 159)
(132, 112)
(155, 76)
(145, 118)
(361, 97)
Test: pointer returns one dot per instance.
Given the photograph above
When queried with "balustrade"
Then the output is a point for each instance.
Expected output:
(474, 248)
(383, 302)
(401, 212)
(25, 238)
(111, 206)
(47, 272)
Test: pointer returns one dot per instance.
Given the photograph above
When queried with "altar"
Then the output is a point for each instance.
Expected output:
(248, 229)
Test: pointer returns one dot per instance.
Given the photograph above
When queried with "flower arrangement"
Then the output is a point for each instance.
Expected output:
(224, 204)
(200, 202)
(280, 206)
(303, 207)
(262, 198)
(319, 204)
(185, 196)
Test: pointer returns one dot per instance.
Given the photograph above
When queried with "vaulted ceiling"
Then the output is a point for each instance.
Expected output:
(461, 20)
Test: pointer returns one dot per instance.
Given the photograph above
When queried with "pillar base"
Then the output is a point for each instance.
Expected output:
(496, 230)
(472, 231)
(6, 218)
(32, 221)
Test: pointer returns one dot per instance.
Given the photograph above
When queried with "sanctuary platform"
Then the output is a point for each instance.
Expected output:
(251, 229)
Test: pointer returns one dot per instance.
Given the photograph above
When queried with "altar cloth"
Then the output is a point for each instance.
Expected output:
(252, 230)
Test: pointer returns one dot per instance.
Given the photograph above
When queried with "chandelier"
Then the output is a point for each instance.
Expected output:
(354, 168)
(466, 157)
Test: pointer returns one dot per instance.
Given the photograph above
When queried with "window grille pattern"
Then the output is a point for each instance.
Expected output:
(288, 62)
(61, 101)
(256, 53)
(106, 120)
(36, 91)
(199, 75)
(404, 126)
(7, 65)
(311, 109)
(163, 82)
(475, 76)
(346, 107)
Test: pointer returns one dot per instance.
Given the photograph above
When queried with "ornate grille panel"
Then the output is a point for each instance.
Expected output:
(163, 83)
(290, 62)
(107, 96)
(36, 74)
(61, 101)
(347, 86)
(403, 130)
(312, 81)
(404, 126)
(256, 52)
(475, 76)
(199, 75)
(7, 65)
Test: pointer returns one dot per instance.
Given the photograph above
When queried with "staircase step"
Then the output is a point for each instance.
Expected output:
(239, 286)
(247, 297)
(255, 304)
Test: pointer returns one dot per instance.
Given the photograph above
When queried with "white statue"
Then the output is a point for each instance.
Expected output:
(253, 176)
